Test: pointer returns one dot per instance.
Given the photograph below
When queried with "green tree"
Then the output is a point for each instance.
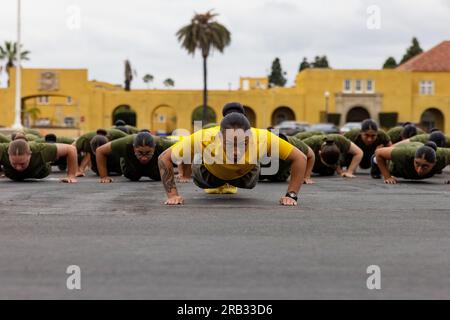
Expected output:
(320, 62)
(390, 63)
(304, 65)
(276, 76)
(8, 52)
(129, 73)
(412, 51)
(148, 78)
(205, 34)
(33, 113)
(169, 83)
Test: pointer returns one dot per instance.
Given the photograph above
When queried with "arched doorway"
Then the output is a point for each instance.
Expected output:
(197, 115)
(282, 114)
(357, 114)
(50, 110)
(432, 118)
(126, 113)
(251, 115)
(164, 120)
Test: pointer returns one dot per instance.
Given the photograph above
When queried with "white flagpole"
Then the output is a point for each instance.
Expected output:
(18, 105)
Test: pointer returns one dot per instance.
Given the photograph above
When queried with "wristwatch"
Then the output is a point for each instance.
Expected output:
(292, 195)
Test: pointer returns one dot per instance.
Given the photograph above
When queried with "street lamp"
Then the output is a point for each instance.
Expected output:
(18, 104)
(327, 96)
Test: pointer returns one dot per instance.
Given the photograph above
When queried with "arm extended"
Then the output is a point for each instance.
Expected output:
(168, 178)
(356, 159)
(310, 159)
(101, 154)
(298, 168)
(382, 156)
(70, 152)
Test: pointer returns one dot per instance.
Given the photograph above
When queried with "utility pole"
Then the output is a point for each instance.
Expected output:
(18, 105)
(327, 96)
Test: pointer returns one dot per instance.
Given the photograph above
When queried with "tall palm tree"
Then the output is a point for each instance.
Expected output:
(9, 53)
(128, 75)
(205, 34)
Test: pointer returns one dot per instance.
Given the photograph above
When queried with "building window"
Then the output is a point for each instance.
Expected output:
(162, 119)
(370, 86)
(69, 100)
(42, 100)
(358, 86)
(347, 85)
(246, 85)
(426, 87)
(69, 122)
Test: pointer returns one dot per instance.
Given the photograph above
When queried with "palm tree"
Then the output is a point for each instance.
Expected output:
(204, 34)
(9, 53)
(33, 113)
(169, 83)
(128, 75)
(147, 79)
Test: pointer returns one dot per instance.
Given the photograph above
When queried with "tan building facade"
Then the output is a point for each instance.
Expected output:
(65, 100)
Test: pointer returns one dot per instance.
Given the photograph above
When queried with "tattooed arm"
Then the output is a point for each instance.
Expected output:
(168, 178)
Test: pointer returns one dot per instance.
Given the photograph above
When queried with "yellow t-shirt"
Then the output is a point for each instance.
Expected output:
(208, 143)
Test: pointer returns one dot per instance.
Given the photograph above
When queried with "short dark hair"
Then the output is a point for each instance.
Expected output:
(369, 124)
(234, 120)
(102, 132)
(408, 131)
(233, 107)
(438, 138)
(427, 152)
(143, 139)
(50, 138)
(119, 123)
(330, 152)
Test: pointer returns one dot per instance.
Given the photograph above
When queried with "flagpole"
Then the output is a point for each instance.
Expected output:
(18, 103)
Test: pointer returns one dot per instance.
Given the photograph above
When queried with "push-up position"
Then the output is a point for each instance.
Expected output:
(330, 151)
(228, 157)
(369, 138)
(412, 160)
(22, 160)
(137, 154)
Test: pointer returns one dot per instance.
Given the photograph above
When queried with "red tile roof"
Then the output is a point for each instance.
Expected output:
(437, 59)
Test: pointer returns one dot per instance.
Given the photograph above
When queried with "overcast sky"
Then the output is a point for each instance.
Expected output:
(110, 31)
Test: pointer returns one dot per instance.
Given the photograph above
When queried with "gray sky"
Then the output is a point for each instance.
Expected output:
(143, 31)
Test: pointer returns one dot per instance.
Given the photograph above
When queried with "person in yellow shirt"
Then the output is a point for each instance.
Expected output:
(227, 157)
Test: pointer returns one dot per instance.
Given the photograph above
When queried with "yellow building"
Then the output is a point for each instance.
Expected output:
(65, 101)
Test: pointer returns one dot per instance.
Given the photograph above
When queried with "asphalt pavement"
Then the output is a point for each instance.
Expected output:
(128, 245)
